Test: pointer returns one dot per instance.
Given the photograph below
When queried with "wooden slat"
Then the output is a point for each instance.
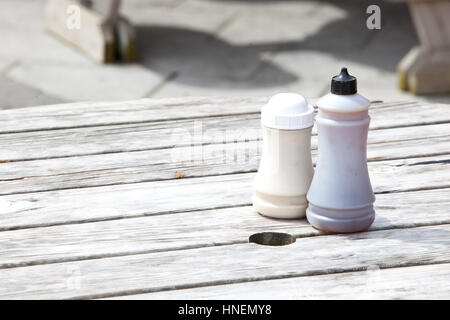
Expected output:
(117, 138)
(390, 116)
(228, 264)
(196, 229)
(418, 282)
(156, 135)
(118, 201)
(178, 231)
(162, 164)
(87, 114)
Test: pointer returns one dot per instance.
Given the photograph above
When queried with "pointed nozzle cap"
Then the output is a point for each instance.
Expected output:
(343, 83)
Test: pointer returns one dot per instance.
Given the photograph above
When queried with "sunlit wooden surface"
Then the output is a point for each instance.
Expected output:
(112, 200)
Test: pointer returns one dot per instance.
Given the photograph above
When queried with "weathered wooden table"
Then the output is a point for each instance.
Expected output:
(151, 199)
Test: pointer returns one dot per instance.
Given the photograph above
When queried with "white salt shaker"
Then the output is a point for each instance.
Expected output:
(341, 197)
(286, 169)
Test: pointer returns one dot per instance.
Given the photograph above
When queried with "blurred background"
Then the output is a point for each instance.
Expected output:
(210, 48)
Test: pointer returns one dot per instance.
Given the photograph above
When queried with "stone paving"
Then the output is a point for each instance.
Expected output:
(210, 48)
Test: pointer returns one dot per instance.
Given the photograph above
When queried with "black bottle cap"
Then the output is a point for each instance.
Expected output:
(343, 83)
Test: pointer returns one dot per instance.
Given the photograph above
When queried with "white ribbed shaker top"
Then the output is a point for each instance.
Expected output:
(287, 111)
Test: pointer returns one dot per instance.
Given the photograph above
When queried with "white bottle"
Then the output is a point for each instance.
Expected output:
(341, 197)
(286, 169)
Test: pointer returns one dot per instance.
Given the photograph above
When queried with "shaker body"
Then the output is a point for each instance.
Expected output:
(284, 174)
(341, 197)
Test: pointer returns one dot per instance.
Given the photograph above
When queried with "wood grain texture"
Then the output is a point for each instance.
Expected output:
(165, 134)
(194, 161)
(88, 114)
(210, 192)
(196, 229)
(102, 200)
(120, 138)
(422, 282)
(228, 264)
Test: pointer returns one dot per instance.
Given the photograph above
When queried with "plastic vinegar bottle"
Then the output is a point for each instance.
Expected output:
(341, 197)
(285, 171)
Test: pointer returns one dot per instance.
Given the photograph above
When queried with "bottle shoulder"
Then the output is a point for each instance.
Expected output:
(343, 103)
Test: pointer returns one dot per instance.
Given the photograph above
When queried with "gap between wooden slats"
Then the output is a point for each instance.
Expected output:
(239, 263)
(190, 230)
(162, 135)
(91, 114)
(182, 162)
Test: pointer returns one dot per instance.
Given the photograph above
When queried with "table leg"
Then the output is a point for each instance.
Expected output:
(426, 68)
(101, 32)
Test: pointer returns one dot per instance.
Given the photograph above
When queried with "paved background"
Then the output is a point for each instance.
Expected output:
(213, 48)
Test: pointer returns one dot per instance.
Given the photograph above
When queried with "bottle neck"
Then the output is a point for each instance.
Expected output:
(343, 116)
